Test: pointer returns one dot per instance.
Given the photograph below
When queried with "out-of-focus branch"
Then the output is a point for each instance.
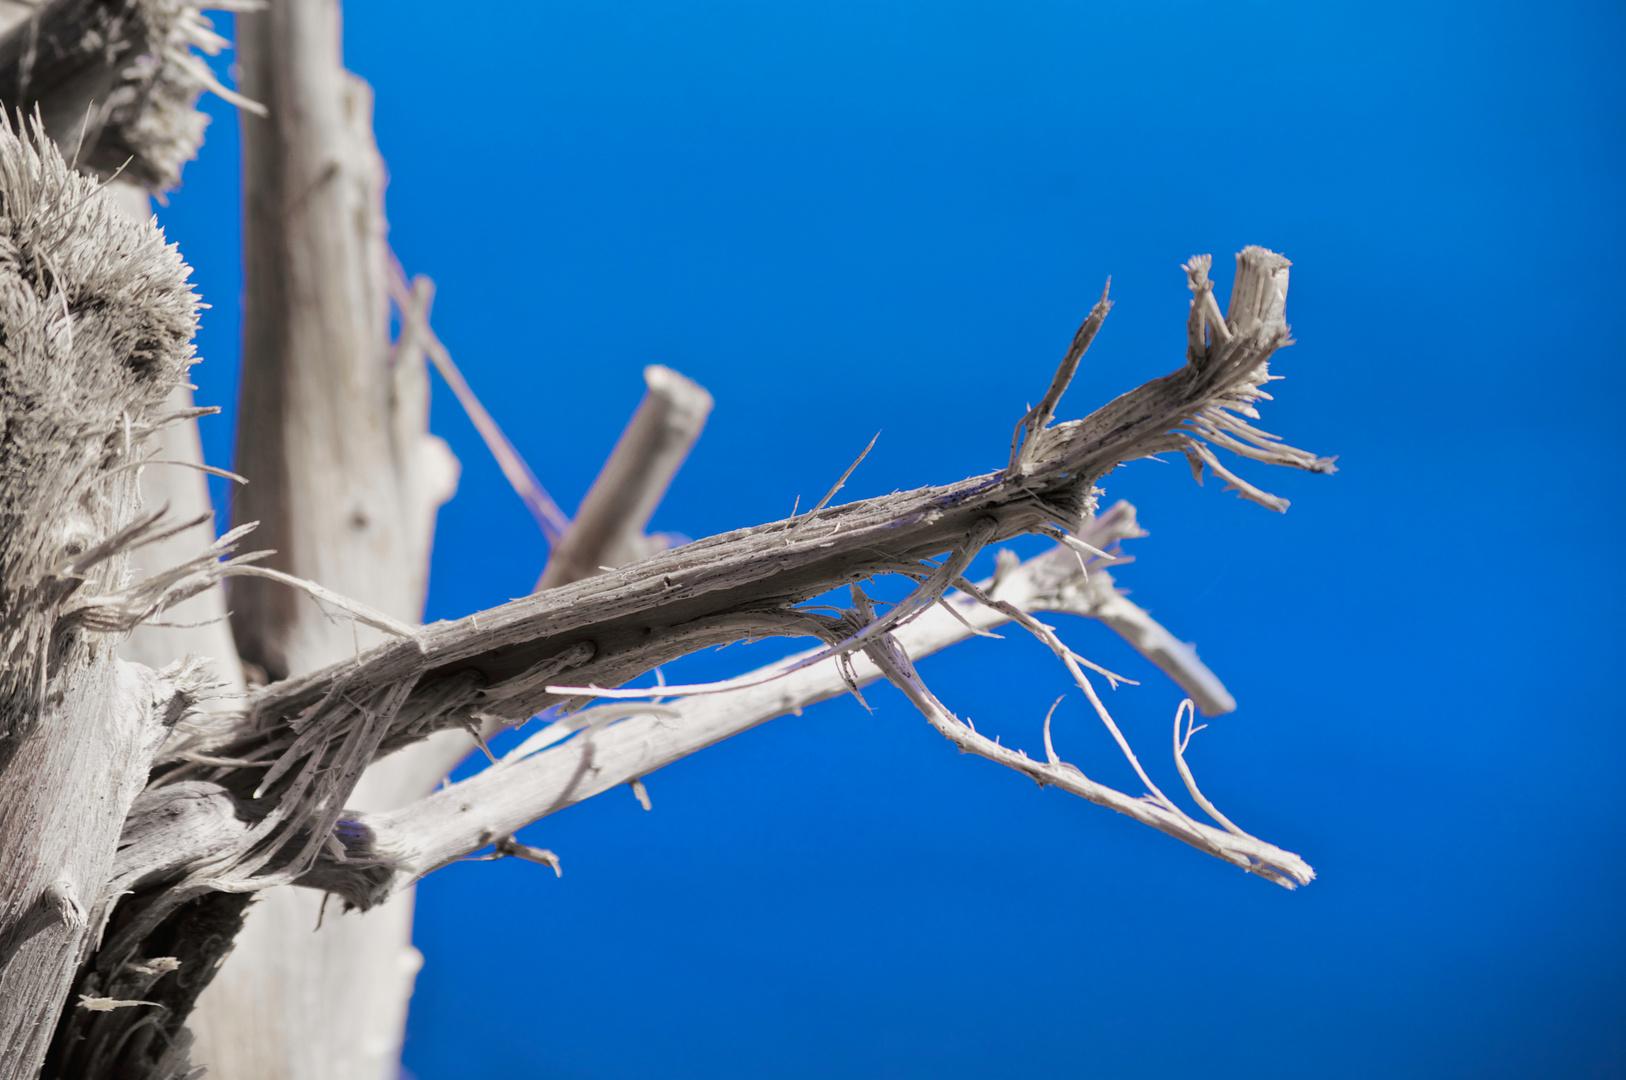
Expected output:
(608, 530)
(116, 81)
(414, 300)
(1177, 659)
(609, 527)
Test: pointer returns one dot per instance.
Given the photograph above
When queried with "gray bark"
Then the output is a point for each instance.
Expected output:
(315, 441)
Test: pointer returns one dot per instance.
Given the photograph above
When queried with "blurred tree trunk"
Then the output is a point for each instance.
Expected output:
(345, 480)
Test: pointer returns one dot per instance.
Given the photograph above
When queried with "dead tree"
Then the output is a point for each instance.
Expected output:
(148, 795)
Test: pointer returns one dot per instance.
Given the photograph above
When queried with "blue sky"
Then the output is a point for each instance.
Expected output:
(845, 217)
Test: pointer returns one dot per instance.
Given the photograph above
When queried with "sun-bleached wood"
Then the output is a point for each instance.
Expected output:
(1177, 659)
(314, 436)
(98, 321)
(465, 817)
(346, 481)
(286, 779)
(312, 780)
(608, 530)
(307, 736)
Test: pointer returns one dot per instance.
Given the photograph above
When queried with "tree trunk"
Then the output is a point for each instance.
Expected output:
(345, 481)
(98, 322)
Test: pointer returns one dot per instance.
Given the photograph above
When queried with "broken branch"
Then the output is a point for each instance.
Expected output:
(530, 784)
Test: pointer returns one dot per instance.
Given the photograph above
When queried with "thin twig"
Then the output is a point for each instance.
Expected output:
(414, 309)
(355, 608)
(1188, 710)
(839, 484)
(212, 470)
(1022, 441)
(1049, 747)
(1254, 855)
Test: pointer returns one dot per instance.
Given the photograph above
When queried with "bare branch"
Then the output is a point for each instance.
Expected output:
(1251, 854)
(742, 584)
(1177, 659)
(609, 526)
(529, 784)
(414, 301)
(1181, 742)
(627, 741)
(842, 482)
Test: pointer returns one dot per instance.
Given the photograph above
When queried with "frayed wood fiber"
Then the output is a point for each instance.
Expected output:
(117, 82)
(96, 324)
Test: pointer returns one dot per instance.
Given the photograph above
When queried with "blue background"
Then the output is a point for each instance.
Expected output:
(844, 217)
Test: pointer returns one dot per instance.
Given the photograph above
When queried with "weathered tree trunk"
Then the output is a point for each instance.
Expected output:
(345, 482)
(98, 324)
(315, 440)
